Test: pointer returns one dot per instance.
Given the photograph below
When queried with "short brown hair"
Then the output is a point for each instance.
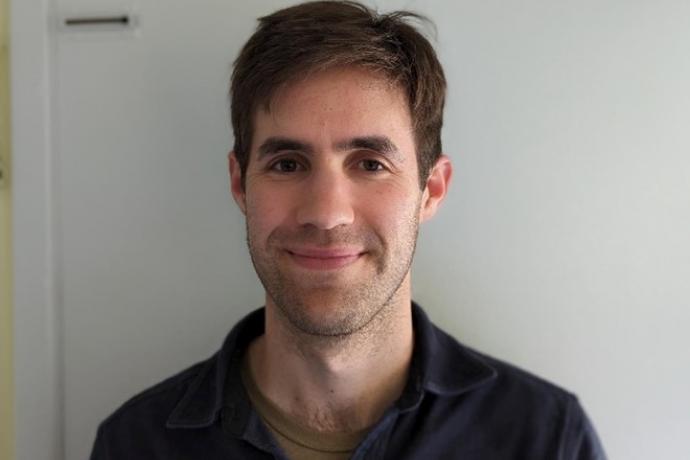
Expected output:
(313, 36)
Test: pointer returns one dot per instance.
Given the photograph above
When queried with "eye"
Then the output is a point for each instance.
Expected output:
(285, 165)
(371, 165)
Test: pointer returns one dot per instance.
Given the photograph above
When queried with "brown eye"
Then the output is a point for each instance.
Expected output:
(371, 165)
(285, 165)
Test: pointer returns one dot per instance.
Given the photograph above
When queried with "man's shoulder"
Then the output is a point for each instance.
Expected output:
(503, 409)
(511, 383)
(191, 398)
(155, 404)
(512, 377)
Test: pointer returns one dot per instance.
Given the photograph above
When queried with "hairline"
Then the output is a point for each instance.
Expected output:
(266, 102)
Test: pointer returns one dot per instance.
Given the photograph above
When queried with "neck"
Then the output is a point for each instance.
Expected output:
(341, 383)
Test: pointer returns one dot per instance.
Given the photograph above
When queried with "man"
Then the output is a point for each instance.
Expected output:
(337, 113)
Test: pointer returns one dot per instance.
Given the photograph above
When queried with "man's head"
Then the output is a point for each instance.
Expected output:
(327, 163)
(315, 36)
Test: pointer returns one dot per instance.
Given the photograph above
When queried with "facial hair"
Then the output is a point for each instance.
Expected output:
(330, 305)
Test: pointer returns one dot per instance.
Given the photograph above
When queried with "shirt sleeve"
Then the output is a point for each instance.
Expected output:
(580, 441)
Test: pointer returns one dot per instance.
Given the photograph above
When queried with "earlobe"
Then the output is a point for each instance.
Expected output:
(436, 188)
(236, 187)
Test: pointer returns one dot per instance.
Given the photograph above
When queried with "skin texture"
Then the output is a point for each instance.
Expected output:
(333, 205)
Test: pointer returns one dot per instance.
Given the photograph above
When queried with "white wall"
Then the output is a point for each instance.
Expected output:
(562, 247)
(576, 245)
(566, 241)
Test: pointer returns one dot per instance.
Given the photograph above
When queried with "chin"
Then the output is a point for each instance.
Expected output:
(325, 316)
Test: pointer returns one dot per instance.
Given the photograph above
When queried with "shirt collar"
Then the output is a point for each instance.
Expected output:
(440, 365)
(219, 380)
(446, 367)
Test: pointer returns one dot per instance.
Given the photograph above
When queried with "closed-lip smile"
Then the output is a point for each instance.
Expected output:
(314, 258)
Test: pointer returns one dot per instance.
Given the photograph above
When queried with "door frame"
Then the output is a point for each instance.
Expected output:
(37, 320)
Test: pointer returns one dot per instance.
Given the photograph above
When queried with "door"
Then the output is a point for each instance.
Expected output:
(152, 265)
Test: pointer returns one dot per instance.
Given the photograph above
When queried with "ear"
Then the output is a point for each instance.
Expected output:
(236, 182)
(436, 188)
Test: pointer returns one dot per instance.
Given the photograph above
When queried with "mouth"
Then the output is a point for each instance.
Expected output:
(324, 259)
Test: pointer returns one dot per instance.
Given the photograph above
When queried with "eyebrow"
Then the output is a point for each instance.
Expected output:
(274, 145)
(379, 144)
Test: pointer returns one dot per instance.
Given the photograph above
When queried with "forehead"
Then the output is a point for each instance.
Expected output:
(336, 104)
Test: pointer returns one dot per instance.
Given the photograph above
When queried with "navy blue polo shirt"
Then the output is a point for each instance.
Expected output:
(457, 404)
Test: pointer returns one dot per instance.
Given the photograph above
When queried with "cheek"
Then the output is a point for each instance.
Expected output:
(265, 212)
(391, 207)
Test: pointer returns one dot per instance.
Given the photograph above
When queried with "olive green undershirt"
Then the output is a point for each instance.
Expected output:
(298, 441)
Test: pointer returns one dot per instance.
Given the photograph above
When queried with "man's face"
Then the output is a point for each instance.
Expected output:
(332, 200)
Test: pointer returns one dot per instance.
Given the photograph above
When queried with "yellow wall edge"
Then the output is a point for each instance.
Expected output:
(6, 350)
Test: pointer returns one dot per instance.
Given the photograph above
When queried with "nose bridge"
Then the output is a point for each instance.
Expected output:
(328, 199)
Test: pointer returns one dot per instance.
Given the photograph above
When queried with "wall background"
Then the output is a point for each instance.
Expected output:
(562, 247)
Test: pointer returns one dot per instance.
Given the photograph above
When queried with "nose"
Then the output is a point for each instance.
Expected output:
(326, 201)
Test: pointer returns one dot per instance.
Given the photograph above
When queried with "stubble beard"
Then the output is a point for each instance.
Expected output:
(312, 305)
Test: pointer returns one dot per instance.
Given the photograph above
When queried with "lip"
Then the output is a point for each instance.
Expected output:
(324, 258)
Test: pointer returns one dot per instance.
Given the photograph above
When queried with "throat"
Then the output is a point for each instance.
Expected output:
(320, 438)
(332, 389)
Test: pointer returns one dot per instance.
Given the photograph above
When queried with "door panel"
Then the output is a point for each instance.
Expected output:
(152, 262)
